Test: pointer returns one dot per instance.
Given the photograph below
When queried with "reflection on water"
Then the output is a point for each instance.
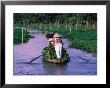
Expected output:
(23, 53)
(54, 69)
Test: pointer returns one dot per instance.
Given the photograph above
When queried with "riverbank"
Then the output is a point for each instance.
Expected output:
(82, 37)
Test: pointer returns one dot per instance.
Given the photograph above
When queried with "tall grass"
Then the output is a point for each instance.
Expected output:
(18, 36)
(84, 38)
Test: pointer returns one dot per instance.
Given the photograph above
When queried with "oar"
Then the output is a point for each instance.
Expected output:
(83, 59)
(34, 59)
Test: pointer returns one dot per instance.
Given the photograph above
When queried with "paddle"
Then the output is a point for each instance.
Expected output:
(34, 59)
(41, 55)
(83, 59)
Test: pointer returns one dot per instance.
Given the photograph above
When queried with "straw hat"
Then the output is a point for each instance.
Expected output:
(56, 35)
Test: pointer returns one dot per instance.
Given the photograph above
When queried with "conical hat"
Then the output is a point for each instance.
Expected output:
(56, 35)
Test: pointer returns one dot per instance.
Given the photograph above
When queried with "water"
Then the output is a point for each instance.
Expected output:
(81, 62)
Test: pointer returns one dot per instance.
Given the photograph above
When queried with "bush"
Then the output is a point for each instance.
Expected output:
(49, 53)
(18, 36)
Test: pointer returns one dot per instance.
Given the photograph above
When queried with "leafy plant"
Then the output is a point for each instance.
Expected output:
(49, 53)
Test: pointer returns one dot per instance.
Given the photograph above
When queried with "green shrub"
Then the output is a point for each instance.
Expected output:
(18, 36)
(49, 53)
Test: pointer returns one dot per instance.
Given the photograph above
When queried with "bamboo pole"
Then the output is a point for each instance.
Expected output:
(50, 27)
(85, 28)
(93, 26)
(76, 26)
(66, 25)
(25, 29)
(22, 34)
(70, 28)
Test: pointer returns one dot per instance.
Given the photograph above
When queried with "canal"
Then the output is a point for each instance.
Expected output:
(81, 62)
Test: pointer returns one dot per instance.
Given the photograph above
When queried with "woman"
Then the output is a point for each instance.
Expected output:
(55, 52)
(58, 45)
(51, 41)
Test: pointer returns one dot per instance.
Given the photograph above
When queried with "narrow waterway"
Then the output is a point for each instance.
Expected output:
(81, 62)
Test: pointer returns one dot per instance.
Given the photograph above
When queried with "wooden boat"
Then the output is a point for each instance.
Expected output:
(57, 61)
(49, 55)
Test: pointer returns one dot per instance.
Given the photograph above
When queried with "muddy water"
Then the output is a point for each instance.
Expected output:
(81, 62)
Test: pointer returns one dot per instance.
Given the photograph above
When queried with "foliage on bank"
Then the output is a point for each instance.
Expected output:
(18, 36)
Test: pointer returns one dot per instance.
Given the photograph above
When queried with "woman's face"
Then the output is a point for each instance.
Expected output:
(51, 41)
(57, 39)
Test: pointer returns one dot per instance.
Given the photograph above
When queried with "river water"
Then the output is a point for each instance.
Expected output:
(81, 62)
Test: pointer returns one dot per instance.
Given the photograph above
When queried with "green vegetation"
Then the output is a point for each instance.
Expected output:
(49, 53)
(80, 38)
(18, 36)
(79, 28)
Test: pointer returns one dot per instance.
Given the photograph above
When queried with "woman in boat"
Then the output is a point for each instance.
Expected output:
(58, 46)
(55, 52)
